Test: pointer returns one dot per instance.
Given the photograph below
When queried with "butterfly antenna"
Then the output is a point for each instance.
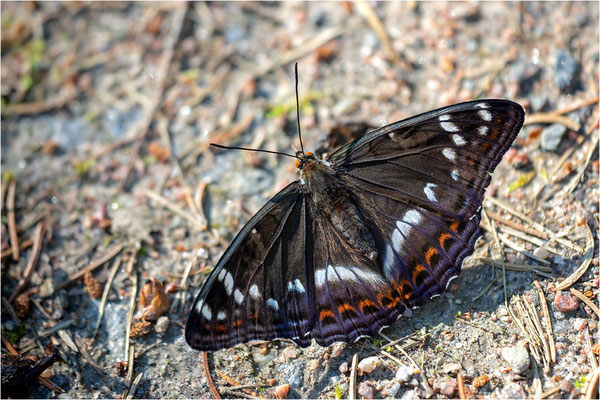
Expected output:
(248, 149)
(298, 109)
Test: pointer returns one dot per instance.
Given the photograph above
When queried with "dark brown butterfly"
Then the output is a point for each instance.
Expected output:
(378, 228)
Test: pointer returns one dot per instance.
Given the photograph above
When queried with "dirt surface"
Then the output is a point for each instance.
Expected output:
(107, 112)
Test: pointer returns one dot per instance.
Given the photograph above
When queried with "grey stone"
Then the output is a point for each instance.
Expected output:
(404, 373)
(564, 69)
(517, 358)
(366, 390)
(551, 136)
(162, 325)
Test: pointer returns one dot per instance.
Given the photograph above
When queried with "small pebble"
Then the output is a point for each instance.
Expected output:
(579, 324)
(290, 352)
(281, 391)
(368, 364)
(393, 390)
(517, 358)
(541, 253)
(448, 387)
(366, 390)
(564, 69)
(343, 367)
(566, 386)
(404, 373)
(551, 137)
(451, 367)
(162, 325)
(565, 302)
(313, 364)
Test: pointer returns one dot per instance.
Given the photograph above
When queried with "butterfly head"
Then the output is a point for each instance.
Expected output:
(303, 159)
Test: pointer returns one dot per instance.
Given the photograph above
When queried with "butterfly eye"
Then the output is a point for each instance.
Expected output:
(310, 154)
(297, 163)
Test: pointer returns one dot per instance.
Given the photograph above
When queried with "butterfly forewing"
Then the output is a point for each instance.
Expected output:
(421, 182)
(407, 199)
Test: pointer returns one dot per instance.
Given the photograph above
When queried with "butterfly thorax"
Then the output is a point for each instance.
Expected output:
(333, 201)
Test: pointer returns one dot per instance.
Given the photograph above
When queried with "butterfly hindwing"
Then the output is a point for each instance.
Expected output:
(246, 296)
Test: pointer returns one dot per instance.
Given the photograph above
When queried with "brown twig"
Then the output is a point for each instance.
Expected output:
(548, 393)
(516, 267)
(134, 385)
(88, 357)
(12, 222)
(22, 246)
(513, 224)
(134, 284)
(549, 118)
(111, 276)
(93, 265)
(587, 301)
(353, 369)
(576, 106)
(591, 391)
(175, 208)
(373, 20)
(426, 385)
(577, 178)
(547, 321)
(578, 273)
(552, 235)
(588, 348)
(513, 245)
(31, 264)
(461, 386)
(209, 380)
(67, 94)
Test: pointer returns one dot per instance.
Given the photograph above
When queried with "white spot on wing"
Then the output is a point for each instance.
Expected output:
(296, 286)
(222, 275)
(447, 126)
(454, 175)
(228, 283)
(206, 313)
(459, 140)
(254, 291)
(388, 261)
(348, 274)
(238, 296)
(397, 239)
(485, 115)
(482, 105)
(199, 306)
(221, 315)
(482, 130)
(449, 153)
(412, 217)
(429, 192)
(272, 303)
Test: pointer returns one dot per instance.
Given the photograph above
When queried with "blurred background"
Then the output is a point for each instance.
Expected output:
(108, 109)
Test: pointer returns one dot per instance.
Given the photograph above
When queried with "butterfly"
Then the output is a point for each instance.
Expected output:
(380, 226)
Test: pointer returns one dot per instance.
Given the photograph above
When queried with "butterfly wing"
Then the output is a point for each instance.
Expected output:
(245, 297)
(420, 184)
